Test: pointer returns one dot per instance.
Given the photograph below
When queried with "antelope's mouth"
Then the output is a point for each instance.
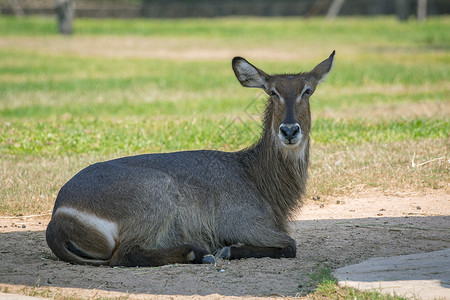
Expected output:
(291, 143)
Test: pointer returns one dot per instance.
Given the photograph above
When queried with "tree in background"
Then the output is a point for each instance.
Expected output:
(65, 12)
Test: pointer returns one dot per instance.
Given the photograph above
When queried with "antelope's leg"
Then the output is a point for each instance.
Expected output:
(136, 256)
(245, 251)
(287, 250)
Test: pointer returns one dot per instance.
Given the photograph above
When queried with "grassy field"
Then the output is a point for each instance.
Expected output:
(124, 87)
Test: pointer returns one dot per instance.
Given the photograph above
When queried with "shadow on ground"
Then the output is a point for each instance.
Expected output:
(26, 260)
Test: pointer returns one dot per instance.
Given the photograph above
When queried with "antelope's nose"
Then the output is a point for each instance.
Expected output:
(290, 132)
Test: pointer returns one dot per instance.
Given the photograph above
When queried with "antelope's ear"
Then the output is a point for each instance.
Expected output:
(321, 70)
(249, 75)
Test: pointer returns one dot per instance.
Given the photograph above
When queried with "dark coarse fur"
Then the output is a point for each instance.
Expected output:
(180, 207)
(280, 180)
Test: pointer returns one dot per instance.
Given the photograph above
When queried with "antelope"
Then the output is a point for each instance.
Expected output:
(196, 206)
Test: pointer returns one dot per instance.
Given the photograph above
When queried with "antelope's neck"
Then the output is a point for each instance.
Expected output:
(280, 178)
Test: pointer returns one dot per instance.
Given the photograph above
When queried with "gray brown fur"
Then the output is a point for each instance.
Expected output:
(179, 207)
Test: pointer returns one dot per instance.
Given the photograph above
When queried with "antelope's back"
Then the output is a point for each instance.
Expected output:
(123, 187)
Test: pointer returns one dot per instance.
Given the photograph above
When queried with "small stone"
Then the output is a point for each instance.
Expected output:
(418, 207)
(24, 226)
(382, 209)
(322, 206)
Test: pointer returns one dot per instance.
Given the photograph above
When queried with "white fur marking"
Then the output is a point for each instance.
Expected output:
(246, 69)
(302, 152)
(325, 75)
(278, 94)
(293, 152)
(247, 72)
(191, 256)
(307, 86)
(107, 228)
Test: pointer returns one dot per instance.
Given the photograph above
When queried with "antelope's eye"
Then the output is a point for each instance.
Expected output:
(272, 93)
(307, 92)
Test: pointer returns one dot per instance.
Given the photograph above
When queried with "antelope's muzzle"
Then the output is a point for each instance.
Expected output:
(290, 134)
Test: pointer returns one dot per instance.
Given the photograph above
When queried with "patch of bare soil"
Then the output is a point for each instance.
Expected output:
(332, 232)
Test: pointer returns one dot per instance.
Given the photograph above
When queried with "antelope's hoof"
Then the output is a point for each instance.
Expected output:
(209, 259)
(224, 253)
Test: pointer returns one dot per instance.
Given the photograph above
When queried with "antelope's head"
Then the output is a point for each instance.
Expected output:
(288, 109)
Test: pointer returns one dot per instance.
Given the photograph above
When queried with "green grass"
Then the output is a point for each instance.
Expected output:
(381, 31)
(329, 131)
(329, 290)
(326, 287)
(76, 136)
(68, 102)
(24, 72)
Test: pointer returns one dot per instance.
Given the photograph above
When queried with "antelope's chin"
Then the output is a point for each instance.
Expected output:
(291, 144)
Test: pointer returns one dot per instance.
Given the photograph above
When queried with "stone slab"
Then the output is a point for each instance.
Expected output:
(415, 276)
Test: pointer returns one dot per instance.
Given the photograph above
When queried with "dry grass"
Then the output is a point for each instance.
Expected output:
(388, 168)
(393, 111)
(30, 184)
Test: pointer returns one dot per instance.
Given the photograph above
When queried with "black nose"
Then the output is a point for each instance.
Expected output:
(289, 131)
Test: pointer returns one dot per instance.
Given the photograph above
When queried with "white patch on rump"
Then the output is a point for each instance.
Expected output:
(107, 228)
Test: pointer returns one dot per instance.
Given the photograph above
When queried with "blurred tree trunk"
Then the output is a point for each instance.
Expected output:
(65, 11)
(421, 10)
(402, 8)
(16, 8)
(334, 9)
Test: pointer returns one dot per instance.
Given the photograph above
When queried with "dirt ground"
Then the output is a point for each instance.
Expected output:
(331, 232)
